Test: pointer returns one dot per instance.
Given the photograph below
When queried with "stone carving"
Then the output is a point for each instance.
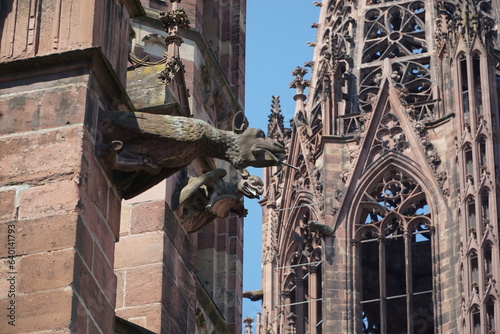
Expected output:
(411, 78)
(161, 145)
(394, 31)
(174, 18)
(201, 199)
(254, 295)
(323, 229)
(172, 66)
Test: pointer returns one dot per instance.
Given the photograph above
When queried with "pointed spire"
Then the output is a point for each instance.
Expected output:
(275, 117)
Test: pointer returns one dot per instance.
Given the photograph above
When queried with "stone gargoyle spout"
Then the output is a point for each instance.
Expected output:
(161, 145)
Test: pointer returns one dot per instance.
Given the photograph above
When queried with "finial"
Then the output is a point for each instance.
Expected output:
(275, 116)
(248, 327)
(299, 81)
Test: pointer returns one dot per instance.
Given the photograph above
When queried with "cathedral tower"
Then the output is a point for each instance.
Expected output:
(388, 222)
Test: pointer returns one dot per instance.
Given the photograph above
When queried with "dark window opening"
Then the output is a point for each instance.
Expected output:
(464, 90)
(476, 321)
(490, 315)
(478, 99)
(395, 253)
(471, 216)
(482, 153)
(469, 164)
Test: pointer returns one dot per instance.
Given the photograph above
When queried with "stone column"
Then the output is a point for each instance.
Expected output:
(300, 308)
(313, 306)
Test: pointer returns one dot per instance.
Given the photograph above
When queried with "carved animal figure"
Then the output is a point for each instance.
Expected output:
(254, 295)
(323, 229)
(162, 145)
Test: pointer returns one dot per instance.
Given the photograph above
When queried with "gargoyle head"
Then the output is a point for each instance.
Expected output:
(255, 148)
(250, 185)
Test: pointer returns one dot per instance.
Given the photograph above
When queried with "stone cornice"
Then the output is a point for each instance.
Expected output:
(91, 58)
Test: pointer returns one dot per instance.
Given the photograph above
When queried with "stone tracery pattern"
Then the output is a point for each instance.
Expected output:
(395, 219)
(414, 81)
(394, 31)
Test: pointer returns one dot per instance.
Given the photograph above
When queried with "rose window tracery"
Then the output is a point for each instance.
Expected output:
(395, 31)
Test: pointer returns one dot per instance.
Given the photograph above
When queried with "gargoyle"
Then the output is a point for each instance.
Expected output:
(160, 145)
(254, 295)
(325, 230)
(208, 196)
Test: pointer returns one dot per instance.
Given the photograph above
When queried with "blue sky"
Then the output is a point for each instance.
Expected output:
(277, 36)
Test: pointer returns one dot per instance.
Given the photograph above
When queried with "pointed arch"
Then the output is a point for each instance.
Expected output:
(390, 221)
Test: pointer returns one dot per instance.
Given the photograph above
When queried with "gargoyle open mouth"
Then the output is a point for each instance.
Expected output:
(265, 156)
(250, 192)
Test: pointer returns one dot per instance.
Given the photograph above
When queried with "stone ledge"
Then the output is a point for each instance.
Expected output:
(90, 58)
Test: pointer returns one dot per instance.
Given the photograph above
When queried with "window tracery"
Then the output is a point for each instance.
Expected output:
(393, 235)
(302, 276)
(412, 78)
(394, 31)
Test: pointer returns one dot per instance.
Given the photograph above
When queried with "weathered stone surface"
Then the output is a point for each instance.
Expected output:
(152, 313)
(104, 275)
(40, 156)
(120, 287)
(95, 301)
(48, 200)
(144, 285)
(42, 234)
(40, 311)
(45, 271)
(148, 217)
(36, 108)
(7, 205)
(136, 250)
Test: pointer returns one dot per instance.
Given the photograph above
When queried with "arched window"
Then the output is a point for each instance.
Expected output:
(464, 89)
(471, 216)
(469, 163)
(482, 154)
(395, 257)
(476, 320)
(301, 295)
(490, 314)
(478, 94)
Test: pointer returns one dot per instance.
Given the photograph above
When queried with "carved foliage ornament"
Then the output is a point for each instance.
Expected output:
(173, 18)
(465, 19)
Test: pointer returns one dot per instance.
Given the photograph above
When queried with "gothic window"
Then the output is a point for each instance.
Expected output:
(476, 72)
(471, 215)
(490, 315)
(476, 320)
(395, 257)
(394, 31)
(412, 78)
(469, 163)
(474, 271)
(488, 261)
(464, 88)
(485, 206)
(482, 153)
(302, 291)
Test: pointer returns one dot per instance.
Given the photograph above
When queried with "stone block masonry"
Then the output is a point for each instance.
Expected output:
(59, 213)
